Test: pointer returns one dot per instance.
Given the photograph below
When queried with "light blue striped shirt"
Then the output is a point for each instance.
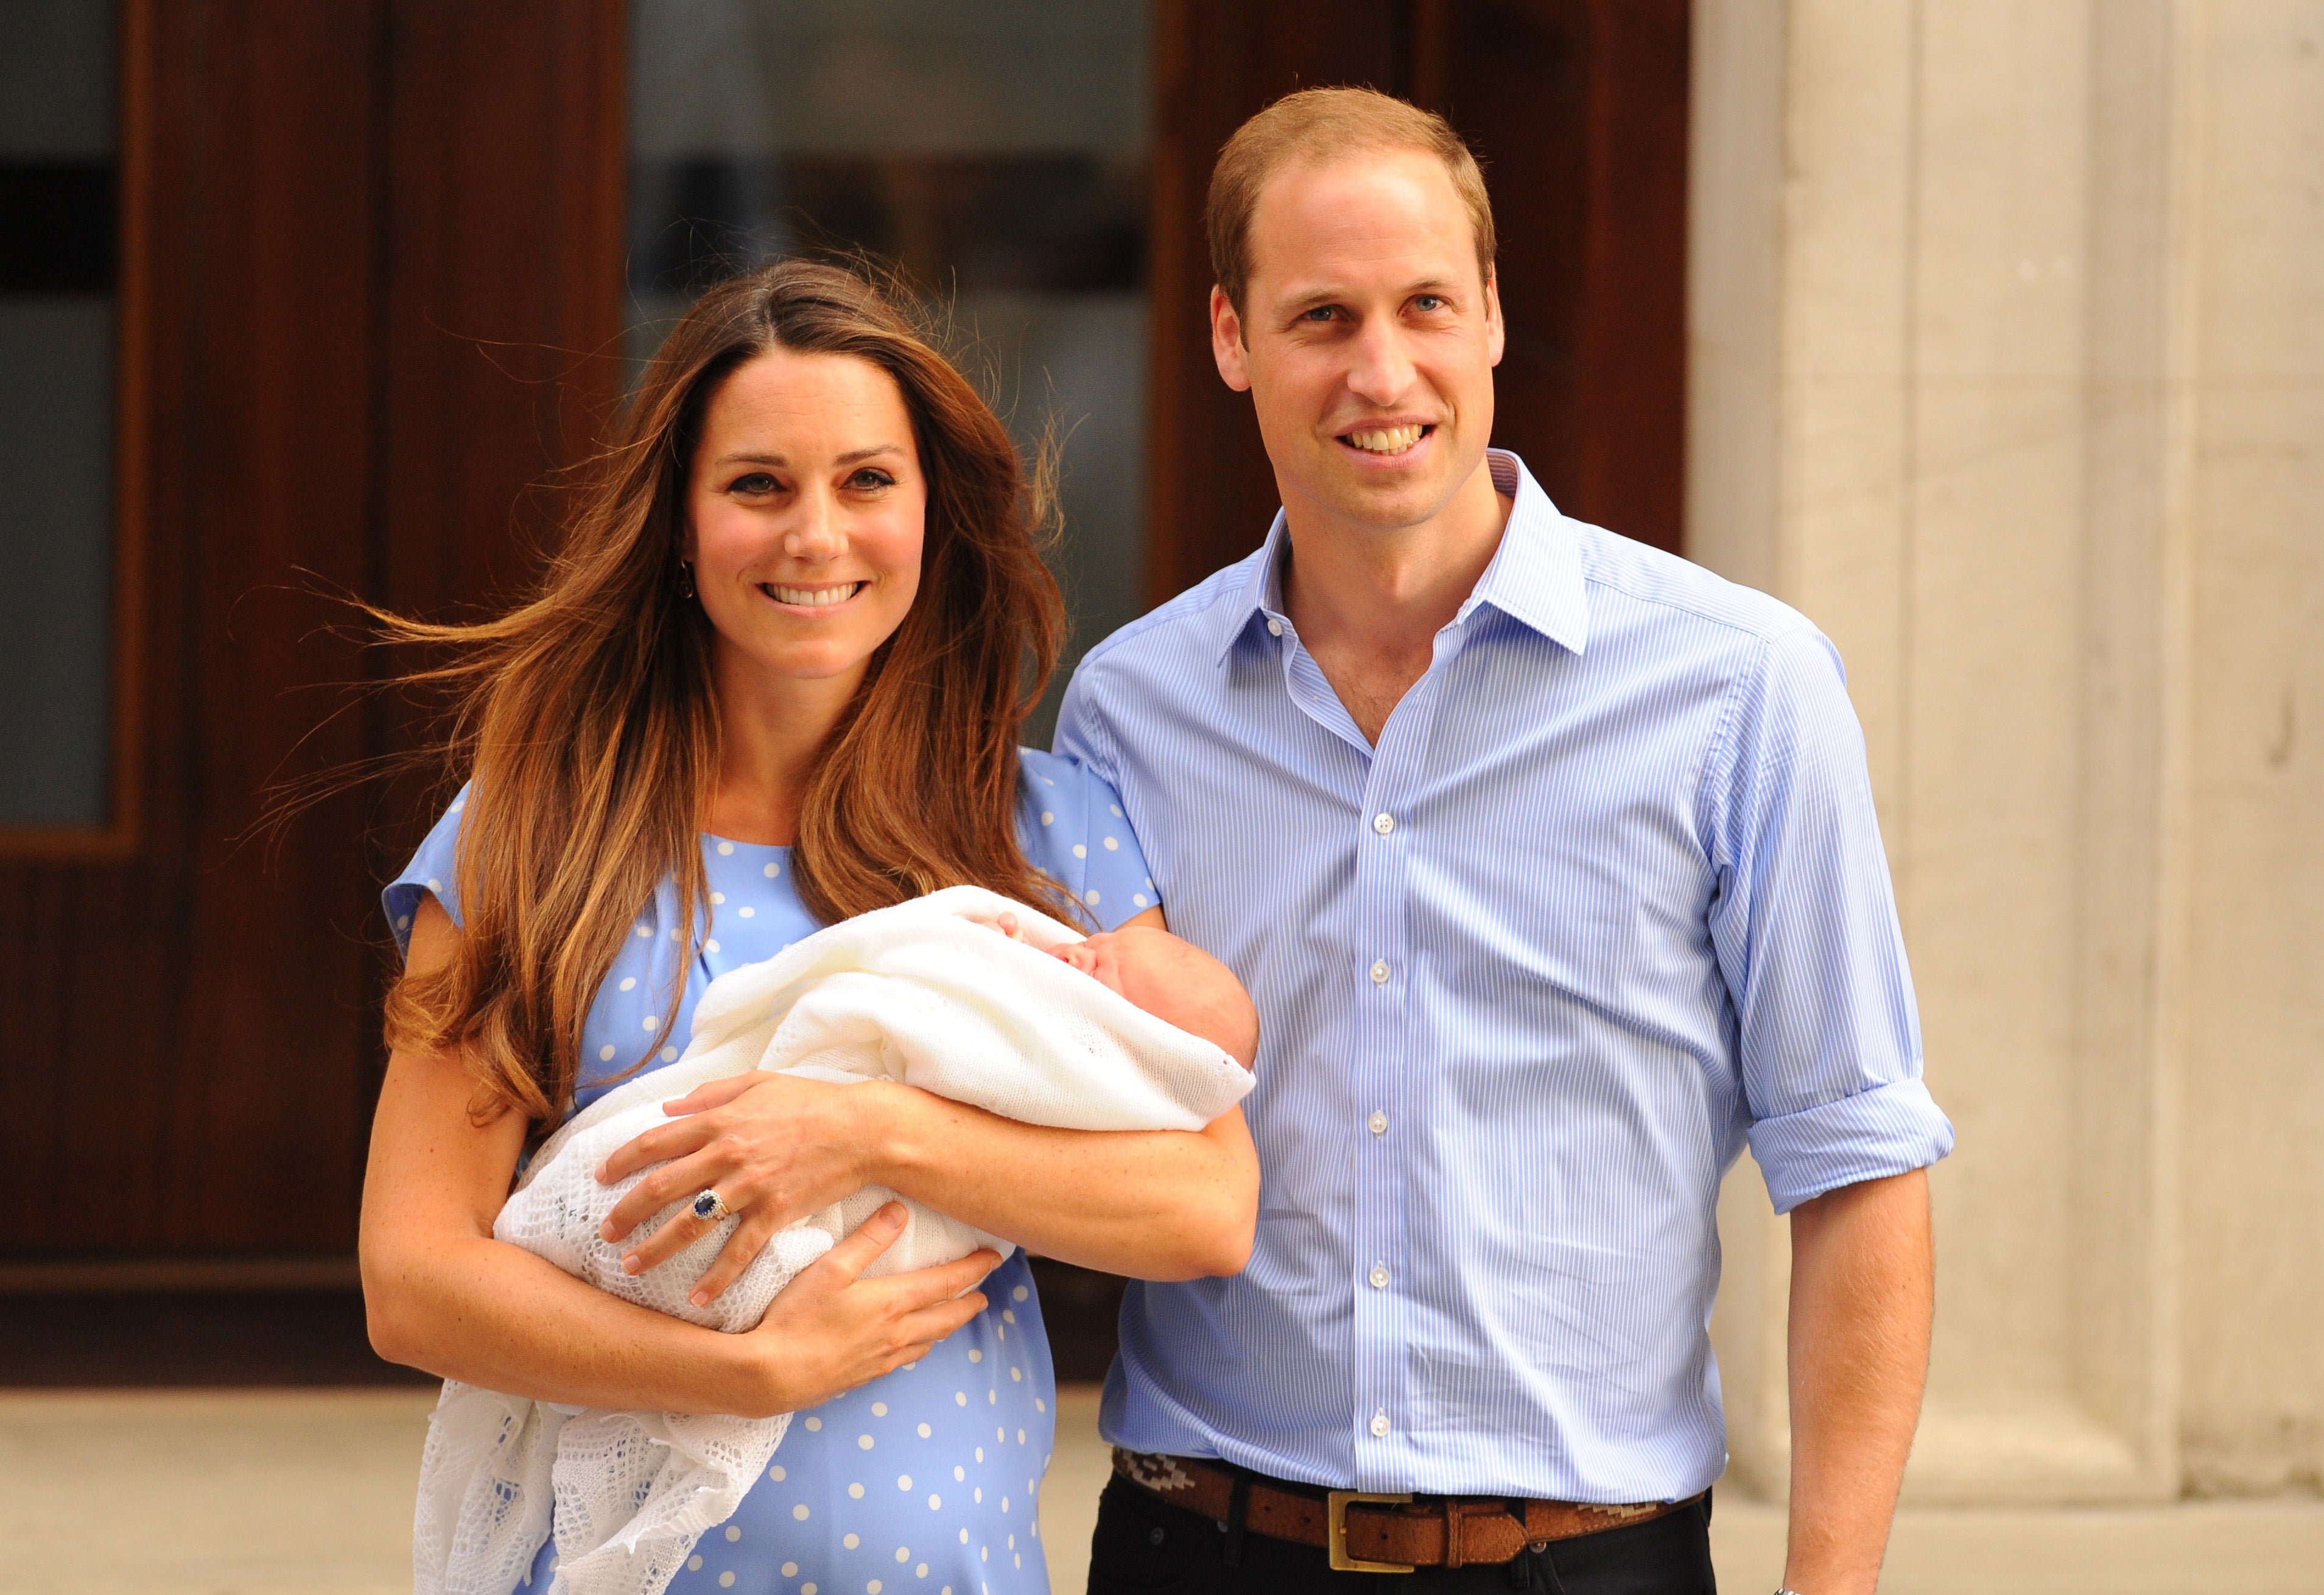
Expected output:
(1608, 899)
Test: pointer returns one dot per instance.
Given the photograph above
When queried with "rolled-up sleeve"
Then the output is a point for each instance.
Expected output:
(1804, 923)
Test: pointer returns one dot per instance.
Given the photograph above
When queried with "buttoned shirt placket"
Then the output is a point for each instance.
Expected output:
(1381, 951)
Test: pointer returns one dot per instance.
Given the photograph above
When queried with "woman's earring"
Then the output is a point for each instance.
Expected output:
(685, 579)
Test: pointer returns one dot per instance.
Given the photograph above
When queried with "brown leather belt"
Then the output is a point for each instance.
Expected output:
(1365, 1533)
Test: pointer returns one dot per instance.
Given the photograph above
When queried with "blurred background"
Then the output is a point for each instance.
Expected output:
(1990, 333)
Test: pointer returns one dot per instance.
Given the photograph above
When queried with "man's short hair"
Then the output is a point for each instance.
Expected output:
(1318, 126)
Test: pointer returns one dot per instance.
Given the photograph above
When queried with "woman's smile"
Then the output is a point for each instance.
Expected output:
(812, 598)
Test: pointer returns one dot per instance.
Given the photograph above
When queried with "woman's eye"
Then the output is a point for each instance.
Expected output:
(756, 482)
(870, 478)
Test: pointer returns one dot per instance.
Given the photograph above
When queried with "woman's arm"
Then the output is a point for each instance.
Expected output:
(1162, 1204)
(442, 1294)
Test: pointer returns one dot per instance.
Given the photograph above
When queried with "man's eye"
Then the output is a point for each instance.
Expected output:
(1429, 301)
(1322, 312)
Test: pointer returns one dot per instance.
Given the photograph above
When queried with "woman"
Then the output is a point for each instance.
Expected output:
(773, 679)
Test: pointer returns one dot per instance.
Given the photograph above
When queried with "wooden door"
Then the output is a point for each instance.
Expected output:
(370, 266)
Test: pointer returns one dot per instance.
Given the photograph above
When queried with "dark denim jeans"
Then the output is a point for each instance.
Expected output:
(1144, 1545)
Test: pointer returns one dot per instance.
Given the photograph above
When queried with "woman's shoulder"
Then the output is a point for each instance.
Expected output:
(431, 873)
(1073, 829)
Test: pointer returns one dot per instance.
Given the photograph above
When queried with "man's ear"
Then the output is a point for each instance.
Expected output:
(1496, 330)
(1226, 342)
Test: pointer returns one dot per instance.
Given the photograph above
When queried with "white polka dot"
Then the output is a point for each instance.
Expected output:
(873, 1588)
(980, 1489)
(1138, 900)
(903, 1481)
(925, 1431)
(726, 849)
(1047, 782)
(1004, 1507)
(1089, 898)
(1116, 810)
(748, 912)
(1019, 1293)
(975, 1355)
(629, 983)
(1113, 845)
(1021, 1437)
(920, 1572)
(674, 935)
(813, 1424)
(879, 1409)
(1016, 1376)
(732, 1534)
(1048, 818)
(992, 1398)
(959, 1474)
(1080, 851)
(653, 1022)
(711, 945)
(980, 1457)
(790, 1570)
(903, 1553)
(960, 1399)
(606, 1053)
(935, 1502)
(718, 897)
(800, 1511)
(863, 1442)
(854, 1492)
(726, 1581)
(1040, 1406)
(778, 1473)
(670, 1054)
(807, 1589)
(964, 1536)
(694, 1564)
(1149, 883)
(645, 930)
(771, 871)
(1008, 1314)
(402, 921)
(434, 885)
(852, 1541)
(459, 805)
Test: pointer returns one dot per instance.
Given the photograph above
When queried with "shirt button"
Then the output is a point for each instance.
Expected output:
(1383, 823)
(1379, 1122)
(1380, 972)
(1378, 1276)
(1379, 1425)
(1275, 628)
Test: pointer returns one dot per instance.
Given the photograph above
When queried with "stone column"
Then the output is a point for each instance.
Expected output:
(2007, 368)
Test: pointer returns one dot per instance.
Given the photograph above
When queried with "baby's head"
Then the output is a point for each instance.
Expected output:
(1171, 978)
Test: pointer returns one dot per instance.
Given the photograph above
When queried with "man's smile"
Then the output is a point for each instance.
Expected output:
(1388, 441)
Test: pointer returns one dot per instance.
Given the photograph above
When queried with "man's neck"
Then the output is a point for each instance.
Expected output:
(1368, 603)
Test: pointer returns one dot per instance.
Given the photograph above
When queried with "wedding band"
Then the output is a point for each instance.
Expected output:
(710, 1207)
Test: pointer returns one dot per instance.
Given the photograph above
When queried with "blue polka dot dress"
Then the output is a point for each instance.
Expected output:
(929, 1478)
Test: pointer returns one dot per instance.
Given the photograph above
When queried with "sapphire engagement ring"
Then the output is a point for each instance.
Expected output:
(710, 1207)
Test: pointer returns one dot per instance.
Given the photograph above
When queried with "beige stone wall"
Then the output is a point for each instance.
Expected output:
(2008, 369)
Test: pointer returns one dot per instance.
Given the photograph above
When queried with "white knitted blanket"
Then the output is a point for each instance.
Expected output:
(920, 993)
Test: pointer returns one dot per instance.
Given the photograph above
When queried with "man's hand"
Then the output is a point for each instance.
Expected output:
(1863, 1291)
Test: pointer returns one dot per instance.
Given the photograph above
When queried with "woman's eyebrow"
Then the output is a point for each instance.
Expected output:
(853, 457)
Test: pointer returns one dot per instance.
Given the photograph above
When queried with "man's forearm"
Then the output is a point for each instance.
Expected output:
(1863, 1292)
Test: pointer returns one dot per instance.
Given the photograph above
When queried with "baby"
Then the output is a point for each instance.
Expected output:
(1136, 1031)
(1170, 978)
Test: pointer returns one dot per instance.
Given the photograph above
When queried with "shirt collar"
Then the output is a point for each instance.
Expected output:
(1534, 576)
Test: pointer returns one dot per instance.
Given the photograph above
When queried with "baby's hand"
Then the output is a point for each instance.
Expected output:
(1077, 954)
(1005, 921)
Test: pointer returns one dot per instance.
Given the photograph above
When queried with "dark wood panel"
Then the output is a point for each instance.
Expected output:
(323, 201)
(1579, 110)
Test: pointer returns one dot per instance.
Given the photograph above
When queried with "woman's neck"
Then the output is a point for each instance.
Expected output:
(772, 731)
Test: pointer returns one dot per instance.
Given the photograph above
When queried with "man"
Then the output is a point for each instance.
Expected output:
(1551, 863)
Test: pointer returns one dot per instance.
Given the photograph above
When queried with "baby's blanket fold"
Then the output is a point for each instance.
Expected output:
(922, 993)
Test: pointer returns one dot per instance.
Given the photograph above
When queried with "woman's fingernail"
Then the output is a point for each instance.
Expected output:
(700, 1298)
(605, 1231)
(630, 1265)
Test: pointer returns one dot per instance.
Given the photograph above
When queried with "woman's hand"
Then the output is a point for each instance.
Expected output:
(831, 1329)
(774, 1147)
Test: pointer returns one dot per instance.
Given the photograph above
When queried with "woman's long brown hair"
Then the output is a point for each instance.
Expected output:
(586, 719)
